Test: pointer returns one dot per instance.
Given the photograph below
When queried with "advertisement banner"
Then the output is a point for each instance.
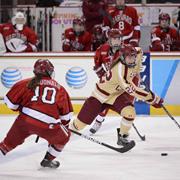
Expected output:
(141, 107)
(74, 73)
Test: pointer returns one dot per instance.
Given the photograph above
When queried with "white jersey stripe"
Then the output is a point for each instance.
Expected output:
(137, 28)
(10, 104)
(40, 116)
(67, 116)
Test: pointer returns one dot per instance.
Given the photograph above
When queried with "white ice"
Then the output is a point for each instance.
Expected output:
(85, 160)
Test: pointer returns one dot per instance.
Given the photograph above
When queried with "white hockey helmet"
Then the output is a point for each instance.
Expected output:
(19, 20)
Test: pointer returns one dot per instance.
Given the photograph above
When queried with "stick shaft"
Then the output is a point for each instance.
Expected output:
(168, 113)
(141, 137)
(120, 150)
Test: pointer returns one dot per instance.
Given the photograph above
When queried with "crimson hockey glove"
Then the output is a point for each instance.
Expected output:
(156, 101)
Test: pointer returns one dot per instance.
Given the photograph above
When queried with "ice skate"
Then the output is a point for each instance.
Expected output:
(122, 139)
(96, 126)
(50, 164)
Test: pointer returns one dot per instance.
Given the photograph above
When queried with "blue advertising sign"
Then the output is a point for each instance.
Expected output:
(142, 107)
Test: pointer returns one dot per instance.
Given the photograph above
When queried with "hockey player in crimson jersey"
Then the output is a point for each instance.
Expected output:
(18, 37)
(124, 18)
(164, 37)
(116, 88)
(44, 109)
(98, 37)
(77, 38)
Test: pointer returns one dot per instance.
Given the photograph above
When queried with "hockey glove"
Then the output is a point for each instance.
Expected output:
(101, 70)
(156, 101)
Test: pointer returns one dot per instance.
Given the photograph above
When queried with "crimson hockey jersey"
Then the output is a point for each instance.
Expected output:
(126, 21)
(72, 42)
(48, 104)
(19, 41)
(164, 40)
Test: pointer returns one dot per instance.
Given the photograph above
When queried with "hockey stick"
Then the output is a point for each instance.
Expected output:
(168, 113)
(124, 149)
(164, 108)
(143, 138)
(37, 139)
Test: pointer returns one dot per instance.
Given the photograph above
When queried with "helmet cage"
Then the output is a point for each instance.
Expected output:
(164, 20)
(43, 67)
(115, 39)
(129, 56)
(78, 26)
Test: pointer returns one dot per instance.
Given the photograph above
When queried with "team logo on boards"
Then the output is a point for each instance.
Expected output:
(10, 76)
(76, 77)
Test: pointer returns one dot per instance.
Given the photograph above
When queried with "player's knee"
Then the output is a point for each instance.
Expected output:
(128, 113)
(77, 125)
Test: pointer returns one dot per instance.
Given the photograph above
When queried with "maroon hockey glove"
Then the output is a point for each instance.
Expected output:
(156, 101)
(101, 70)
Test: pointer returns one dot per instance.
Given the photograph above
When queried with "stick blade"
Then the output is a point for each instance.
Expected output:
(143, 138)
(128, 147)
(123, 149)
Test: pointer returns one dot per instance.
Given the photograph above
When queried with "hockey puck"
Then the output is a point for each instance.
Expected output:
(164, 154)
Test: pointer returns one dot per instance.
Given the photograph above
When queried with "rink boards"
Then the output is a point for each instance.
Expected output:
(74, 71)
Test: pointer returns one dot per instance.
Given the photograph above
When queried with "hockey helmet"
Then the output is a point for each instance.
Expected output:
(43, 67)
(120, 4)
(164, 20)
(19, 20)
(78, 25)
(115, 39)
(98, 32)
(164, 16)
(129, 55)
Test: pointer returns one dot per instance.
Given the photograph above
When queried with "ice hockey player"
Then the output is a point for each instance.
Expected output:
(99, 71)
(77, 38)
(98, 37)
(18, 37)
(44, 109)
(124, 18)
(115, 88)
(164, 37)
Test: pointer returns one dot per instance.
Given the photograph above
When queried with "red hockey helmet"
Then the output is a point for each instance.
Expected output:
(115, 39)
(97, 29)
(98, 32)
(114, 33)
(129, 54)
(43, 67)
(164, 16)
(78, 25)
(164, 21)
(79, 21)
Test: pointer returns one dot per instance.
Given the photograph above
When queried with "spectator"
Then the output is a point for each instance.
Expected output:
(124, 18)
(164, 37)
(18, 37)
(77, 38)
(92, 12)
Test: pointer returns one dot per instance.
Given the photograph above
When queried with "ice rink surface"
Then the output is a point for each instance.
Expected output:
(85, 160)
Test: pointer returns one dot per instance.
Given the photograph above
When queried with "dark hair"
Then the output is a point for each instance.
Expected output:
(34, 82)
